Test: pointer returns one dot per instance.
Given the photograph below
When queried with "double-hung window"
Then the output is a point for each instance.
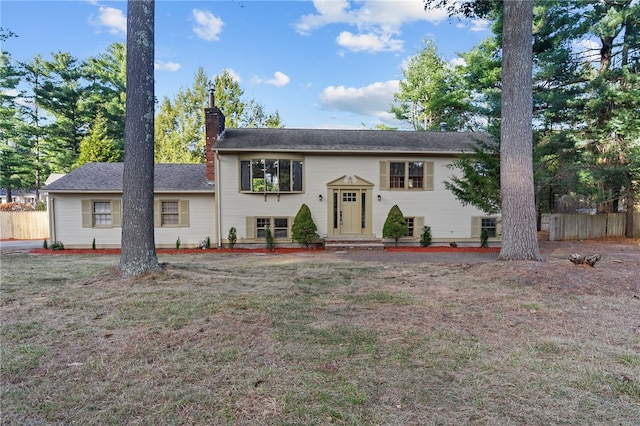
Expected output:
(410, 226)
(490, 224)
(271, 175)
(480, 223)
(171, 213)
(406, 175)
(257, 227)
(101, 213)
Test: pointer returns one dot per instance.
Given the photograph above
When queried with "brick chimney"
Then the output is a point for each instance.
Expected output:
(213, 126)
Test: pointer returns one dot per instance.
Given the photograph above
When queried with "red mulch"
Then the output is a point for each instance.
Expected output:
(282, 250)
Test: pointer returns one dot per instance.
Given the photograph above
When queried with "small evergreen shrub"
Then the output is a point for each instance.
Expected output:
(425, 238)
(271, 245)
(484, 238)
(45, 244)
(93, 244)
(178, 243)
(57, 245)
(41, 206)
(395, 226)
(232, 237)
(304, 228)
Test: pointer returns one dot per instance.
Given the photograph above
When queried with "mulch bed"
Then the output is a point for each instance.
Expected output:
(282, 250)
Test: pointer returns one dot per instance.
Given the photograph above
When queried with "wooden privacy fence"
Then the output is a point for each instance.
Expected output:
(24, 225)
(588, 226)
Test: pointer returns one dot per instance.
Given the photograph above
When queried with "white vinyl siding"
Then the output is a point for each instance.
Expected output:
(448, 219)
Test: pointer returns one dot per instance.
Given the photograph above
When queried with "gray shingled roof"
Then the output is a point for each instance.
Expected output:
(348, 141)
(107, 177)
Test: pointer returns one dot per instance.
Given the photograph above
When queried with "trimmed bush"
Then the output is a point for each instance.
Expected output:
(395, 226)
(232, 237)
(271, 245)
(425, 238)
(57, 245)
(484, 238)
(178, 243)
(304, 228)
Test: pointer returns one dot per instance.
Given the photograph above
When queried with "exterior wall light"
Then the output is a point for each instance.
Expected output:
(320, 197)
(379, 197)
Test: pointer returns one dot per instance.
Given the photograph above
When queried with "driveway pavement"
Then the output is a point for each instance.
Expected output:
(19, 245)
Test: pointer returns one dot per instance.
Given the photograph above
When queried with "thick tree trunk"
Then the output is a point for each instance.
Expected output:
(138, 243)
(519, 236)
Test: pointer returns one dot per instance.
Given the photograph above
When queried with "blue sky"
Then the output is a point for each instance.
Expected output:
(320, 64)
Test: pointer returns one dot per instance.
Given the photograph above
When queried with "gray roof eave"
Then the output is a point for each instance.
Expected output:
(341, 152)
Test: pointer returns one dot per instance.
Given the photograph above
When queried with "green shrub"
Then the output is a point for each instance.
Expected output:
(484, 238)
(93, 244)
(232, 237)
(45, 244)
(395, 226)
(425, 238)
(57, 245)
(271, 246)
(178, 243)
(41, 206)
(304, 228)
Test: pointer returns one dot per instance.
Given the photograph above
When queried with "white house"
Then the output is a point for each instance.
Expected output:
(254, 179)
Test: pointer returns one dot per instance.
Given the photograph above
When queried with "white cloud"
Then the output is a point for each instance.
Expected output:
(208, 26)
(233, 74)
(279, 79)
(457, 62)
(166, 66)
(374, 100)
(377, 22)
(368, 42)
(113, 19)
(479, 25)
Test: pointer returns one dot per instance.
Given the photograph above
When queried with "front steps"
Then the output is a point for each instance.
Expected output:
(345, 244)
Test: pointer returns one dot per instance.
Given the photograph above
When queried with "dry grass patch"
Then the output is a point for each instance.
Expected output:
(318, 339)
